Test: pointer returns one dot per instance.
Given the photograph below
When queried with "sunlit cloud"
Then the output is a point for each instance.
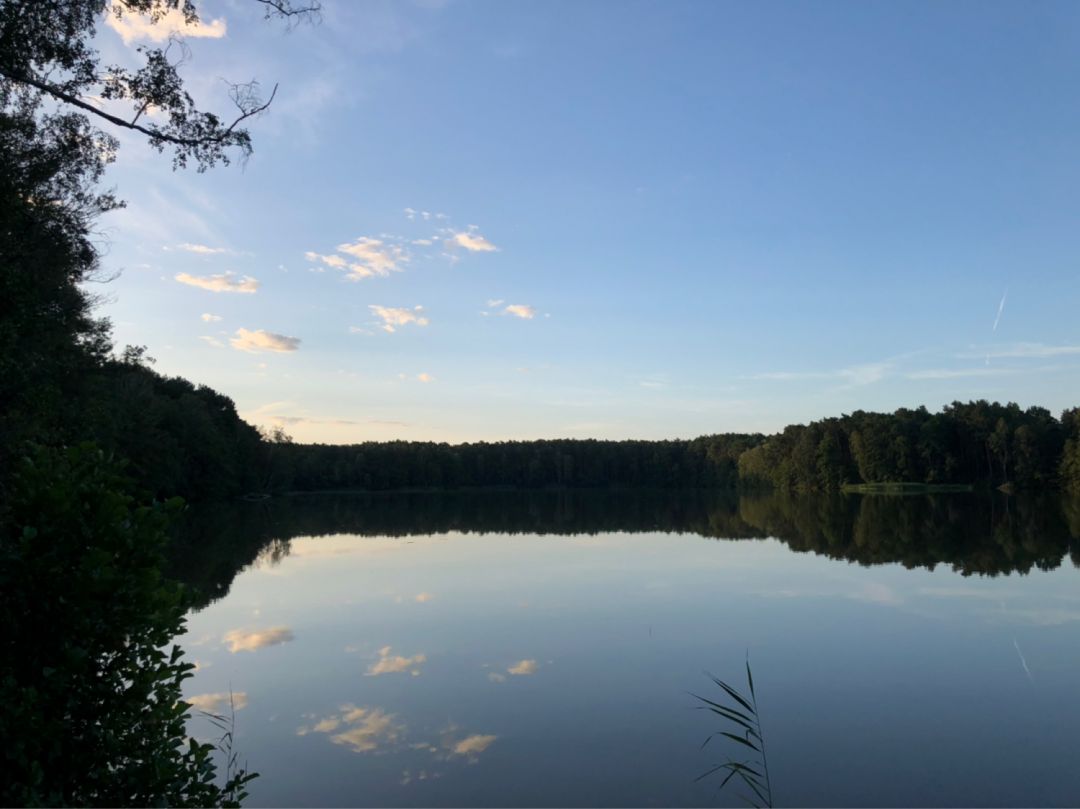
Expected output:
(243, 641)
(367, 257)
(337, 262)
(520, 310)
(472, 746)
(423, 598)
(226, 282)
(132, 27)
(496, 677)
(218, 703)
(366, 729)
(425, 377)
(395, 664)
(206, 317)
(392, 318)
(260, 340)
(373, 257)
(473, 242)
(523, 667)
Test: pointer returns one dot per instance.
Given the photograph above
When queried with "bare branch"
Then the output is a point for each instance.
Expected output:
(285, 8)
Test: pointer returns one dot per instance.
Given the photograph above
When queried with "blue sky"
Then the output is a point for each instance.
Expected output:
(486, 220)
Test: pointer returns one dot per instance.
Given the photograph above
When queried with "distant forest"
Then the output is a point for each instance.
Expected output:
(180, 438)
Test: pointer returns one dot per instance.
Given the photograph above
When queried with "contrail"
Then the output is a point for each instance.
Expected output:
(1001, 308)
(1023, 662)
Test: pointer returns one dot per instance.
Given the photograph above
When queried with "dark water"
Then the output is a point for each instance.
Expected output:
(539, 648)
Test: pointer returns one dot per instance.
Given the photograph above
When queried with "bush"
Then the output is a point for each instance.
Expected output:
(91, 711)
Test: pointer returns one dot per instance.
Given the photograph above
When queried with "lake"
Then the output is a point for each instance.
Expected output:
(544, 648)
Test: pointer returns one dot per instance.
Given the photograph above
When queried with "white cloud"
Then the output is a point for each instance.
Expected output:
(425, 377)
(212, 341)
(496, 677)
(241, 641)
(218, 703)
(226, 282)
(202, 249)
(495, 303)
(523, 667)
(395, 664)
(206, 317)
(260, 340)
(423, 242)
(473, 242)
(520, 310)
(394, 317)
(133, 27)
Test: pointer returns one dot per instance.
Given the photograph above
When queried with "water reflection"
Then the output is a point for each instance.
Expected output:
(973, 534)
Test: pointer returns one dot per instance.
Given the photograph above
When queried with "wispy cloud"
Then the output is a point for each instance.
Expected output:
(219, 702)
(202, 249)
(140, 27)
(226, 282)
(1001, 309)
(423, 598)
(1024, 350)
(260, 340)
(958, 373)
(392, 317)
(395, 664)
(337, 262)
(854, 375)
(211, 341)
(425, 377)
(240, 640)
(206, 317)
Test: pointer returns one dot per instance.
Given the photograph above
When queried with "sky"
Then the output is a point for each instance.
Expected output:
(483, 221)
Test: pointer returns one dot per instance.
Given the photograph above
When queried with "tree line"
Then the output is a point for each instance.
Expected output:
(984, 444)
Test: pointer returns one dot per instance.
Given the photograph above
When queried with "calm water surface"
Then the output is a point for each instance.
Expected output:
(540, 649)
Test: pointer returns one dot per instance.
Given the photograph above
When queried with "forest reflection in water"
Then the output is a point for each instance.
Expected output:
(973, 534)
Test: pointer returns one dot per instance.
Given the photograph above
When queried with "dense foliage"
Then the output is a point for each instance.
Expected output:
(92, 711)
(980, 443)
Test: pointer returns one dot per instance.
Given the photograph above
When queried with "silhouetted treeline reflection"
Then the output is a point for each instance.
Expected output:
(973, 534)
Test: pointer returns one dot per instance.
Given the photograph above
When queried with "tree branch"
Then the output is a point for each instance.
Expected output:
(151, 132)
